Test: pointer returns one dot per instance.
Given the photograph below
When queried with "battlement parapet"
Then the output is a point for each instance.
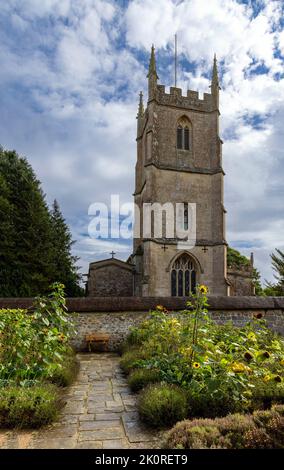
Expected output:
(241, 270)
(190, 101)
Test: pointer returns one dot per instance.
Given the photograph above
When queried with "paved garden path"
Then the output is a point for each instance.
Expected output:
(100, 413)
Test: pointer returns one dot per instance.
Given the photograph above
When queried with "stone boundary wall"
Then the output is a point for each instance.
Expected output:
(115, 315)
(134, 304)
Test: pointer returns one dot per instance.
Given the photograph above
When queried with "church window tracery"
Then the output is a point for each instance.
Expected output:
(183, 276)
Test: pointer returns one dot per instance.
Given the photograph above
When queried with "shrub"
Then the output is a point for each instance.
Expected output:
(130, 359)
(66, 374)
(211, 405)
(139, 378)
(135, 337)
(223, 433)
(260, 430)
(162, 405)
(29, 407)
(265, 394)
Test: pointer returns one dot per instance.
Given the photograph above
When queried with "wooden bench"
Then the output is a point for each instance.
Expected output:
(97, 339)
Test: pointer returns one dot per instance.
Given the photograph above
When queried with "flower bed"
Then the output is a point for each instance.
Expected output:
(35, 352)
(222, 369)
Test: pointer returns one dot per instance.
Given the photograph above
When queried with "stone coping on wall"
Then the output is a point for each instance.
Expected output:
(139, 304)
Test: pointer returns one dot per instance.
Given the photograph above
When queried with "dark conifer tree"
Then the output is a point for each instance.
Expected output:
(27, 261)
(63, 260)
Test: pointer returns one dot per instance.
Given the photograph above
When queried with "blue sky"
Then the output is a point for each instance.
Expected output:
(71, 71)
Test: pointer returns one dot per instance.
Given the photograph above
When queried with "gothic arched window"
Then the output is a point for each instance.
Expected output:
(183, 134)
(183, 276)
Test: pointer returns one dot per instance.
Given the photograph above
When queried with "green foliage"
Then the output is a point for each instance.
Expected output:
(162, 405)
(65, 375)
(34, 345)
(265, 394)
(260, 430)
(131, 359)
(257, 282)
(278, 267)
(235, 259)
(33, 240)
(210, 403)
(28, 406)
(140, 378)
(223, 368)
(64, 264)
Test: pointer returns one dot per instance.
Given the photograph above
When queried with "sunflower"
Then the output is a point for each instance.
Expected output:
(266, 378)
(238, 367)
(196, 365)
(277, 378)
(248, 356)
(203, 289)
(264, 354)
(160, 308)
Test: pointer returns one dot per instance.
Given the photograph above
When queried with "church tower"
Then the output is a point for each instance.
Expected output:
(179, 160)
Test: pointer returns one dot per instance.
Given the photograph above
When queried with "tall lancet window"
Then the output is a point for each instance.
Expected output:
(183, 134)
(179, 137)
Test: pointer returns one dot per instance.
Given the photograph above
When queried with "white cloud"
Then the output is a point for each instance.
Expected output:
(71, 86)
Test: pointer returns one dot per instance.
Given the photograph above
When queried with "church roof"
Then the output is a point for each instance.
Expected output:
(111, 262)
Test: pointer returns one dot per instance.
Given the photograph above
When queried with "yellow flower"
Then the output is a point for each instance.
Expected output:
(251, 336)
(196, 365)
(238, 367)
(185, 351)
(282, 362)
(266, 378)
(203, 289)
(161, 308)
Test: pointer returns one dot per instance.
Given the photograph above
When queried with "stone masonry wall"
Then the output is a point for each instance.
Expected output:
(115, 315)
(110, 280)
(117, 324)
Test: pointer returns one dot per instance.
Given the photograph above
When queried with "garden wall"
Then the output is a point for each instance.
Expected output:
(115, 315)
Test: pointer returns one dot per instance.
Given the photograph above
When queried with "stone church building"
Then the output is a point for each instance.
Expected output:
(179, 160)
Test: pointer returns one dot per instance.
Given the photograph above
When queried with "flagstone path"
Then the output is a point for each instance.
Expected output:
(100, 413)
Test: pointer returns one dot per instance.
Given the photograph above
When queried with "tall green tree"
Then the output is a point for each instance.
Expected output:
(277, 289)
(27, 265)
(63, 260)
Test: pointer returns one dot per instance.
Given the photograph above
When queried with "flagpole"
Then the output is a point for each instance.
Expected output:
(175, 60)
